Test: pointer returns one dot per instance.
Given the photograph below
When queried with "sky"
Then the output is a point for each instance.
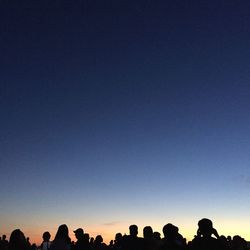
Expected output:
(123, 112)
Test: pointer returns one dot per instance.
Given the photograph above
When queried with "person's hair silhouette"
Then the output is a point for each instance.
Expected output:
(147, 232)
(62, 240)
(18, 241)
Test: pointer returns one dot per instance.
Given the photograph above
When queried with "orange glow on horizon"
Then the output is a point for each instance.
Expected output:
(108, 234)
(108, 231)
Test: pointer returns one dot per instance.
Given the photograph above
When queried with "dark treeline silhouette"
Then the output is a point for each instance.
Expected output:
(207, 238)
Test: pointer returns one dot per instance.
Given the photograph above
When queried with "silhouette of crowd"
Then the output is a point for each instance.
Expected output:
(207, 238)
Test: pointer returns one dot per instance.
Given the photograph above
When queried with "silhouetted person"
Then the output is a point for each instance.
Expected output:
(91, 242)
(86, 237)
(157, 238)
(204, 239)
(132, 241)
(4, 243)
(238, 243)
(62, 240)
(46, 241)
(28, 241)
(223, 243)
(82, 242)
(149, 243)
(229, 241)
(33, 246)
(18, 241)
(99, 244)
(147, 232)
(117, 244)
(172, 239)
(156, 235)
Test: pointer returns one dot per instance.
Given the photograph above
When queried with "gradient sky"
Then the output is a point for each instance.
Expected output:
(122, 112)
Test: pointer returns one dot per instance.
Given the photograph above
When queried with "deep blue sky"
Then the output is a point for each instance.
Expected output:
(113, 106)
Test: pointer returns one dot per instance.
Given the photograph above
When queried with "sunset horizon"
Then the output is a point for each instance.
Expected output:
(124, 112)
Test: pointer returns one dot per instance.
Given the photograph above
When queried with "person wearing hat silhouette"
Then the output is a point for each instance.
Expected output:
(81, 243)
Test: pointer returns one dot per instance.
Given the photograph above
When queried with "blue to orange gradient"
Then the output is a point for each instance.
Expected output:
(116, 113)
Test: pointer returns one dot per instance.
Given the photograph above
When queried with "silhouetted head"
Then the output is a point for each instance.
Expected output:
(169, 230)
(118, 237)
(4, 237)
(223, 239)
(239, 242)
(62, 232)
(133, 230)
(17, 235)
(98, 239)
(156, 235)
(86, 237)
(79, 233)
(46, 236)
(205, 227)
(147, 232)
(17, 240)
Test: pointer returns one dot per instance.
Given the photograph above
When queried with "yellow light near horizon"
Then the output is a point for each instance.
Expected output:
(187, 228)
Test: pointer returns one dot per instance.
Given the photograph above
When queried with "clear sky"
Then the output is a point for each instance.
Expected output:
(122, 112)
